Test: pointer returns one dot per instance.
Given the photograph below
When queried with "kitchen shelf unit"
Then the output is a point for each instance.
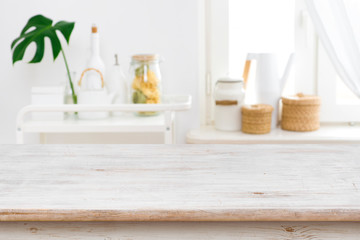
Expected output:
(127, 123)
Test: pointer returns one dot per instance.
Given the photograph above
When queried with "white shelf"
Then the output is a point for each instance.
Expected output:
(126, 123)
(326, 134)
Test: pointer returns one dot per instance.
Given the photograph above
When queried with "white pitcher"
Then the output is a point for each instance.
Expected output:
(269, 83)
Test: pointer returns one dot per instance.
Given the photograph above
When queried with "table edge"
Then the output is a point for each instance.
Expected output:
(228, 215)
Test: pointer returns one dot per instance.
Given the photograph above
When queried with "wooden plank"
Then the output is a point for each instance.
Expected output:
(179, 230)
(180, 183)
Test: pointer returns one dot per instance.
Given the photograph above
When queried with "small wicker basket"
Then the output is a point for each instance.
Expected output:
(256, 119)
(300, 113)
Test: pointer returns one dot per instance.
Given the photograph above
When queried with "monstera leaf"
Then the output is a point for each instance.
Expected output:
(36, 30)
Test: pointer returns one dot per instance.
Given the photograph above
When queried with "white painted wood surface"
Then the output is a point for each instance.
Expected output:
(328, 133)
(179, 183)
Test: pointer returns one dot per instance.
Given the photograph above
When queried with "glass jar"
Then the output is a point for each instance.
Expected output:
(145, 76)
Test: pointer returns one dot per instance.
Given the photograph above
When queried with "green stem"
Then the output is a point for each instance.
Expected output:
(74, 97)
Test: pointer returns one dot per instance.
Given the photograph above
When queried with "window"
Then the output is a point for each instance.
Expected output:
(260, 26)
(235, 27)
(339, 104)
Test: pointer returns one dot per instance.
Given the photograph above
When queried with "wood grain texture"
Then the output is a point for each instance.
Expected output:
(179, 230)
(180, 183)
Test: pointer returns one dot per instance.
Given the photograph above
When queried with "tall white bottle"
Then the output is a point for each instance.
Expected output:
(92, 78)
(92, 82)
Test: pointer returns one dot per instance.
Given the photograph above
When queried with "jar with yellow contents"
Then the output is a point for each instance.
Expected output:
(145, 80)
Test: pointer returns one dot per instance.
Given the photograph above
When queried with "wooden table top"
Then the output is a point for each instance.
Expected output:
(179, 183)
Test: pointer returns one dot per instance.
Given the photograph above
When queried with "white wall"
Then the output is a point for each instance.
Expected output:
(167, 27)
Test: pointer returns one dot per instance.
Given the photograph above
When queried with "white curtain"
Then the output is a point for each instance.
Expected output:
(337, 23)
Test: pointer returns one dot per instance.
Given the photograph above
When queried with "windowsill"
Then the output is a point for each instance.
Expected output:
(326, 134)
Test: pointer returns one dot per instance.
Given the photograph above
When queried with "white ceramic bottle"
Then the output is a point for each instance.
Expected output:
(95, 61)
(92, 83)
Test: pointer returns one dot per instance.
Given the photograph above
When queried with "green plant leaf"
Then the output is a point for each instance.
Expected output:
(36, 30)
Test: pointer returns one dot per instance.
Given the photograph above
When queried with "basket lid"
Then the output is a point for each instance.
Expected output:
(301, 99)
(257, 108)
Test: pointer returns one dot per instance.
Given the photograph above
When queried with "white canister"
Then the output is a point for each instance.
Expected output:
(229, 96)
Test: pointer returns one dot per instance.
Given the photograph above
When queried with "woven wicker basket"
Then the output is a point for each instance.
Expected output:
(256, 119)
(300, 113)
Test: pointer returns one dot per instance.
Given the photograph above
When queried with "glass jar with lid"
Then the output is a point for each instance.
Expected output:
(145, 80)
(229, 97)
